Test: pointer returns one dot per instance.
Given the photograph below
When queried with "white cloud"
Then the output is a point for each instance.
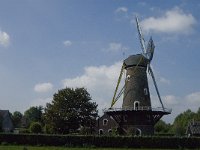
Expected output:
(193, 98)
(158, 77)
(178, 104)
(170, 100)
(41, 101)
(67, 43)
(115, 47)
(4, 39)
(173, 21)
(164, 80)
(99, 81)
(43, 87)
(121, 10)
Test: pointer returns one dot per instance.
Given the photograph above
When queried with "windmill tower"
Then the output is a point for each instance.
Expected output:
(136, 114)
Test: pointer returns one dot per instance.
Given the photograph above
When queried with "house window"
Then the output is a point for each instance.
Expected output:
(145, 91)
(105, 122)
(100, 131)
(136, 105)
(109, 131)
(138, 132)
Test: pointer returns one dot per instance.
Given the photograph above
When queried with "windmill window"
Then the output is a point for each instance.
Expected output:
(105, 122)
(128, 77)
(100, 131)
(145, 91)
(136, 105)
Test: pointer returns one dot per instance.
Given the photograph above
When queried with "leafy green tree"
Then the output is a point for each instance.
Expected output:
(35, 127)
(181, 122)
(70, 110)
(34, 114)
(17, 118)
(162, 127)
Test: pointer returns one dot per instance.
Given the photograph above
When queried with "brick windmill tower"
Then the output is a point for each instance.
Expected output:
(137, 115)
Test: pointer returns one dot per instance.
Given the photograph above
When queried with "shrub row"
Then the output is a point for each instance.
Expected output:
(101, 141)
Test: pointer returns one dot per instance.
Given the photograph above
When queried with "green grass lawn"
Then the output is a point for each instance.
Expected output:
(61, 148)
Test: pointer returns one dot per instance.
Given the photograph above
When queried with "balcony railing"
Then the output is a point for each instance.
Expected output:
(140, 108)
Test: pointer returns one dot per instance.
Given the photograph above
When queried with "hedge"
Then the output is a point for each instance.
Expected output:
(101, 141)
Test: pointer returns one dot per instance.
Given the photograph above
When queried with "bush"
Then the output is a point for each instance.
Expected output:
(48, 129)
(35, 127)
(23, 130)
(102, 141)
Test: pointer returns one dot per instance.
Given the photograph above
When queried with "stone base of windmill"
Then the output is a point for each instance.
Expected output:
(137, 121)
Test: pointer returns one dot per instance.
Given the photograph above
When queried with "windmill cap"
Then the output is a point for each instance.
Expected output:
(136, 60)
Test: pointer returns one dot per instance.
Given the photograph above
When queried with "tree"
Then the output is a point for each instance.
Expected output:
(181, 122)
(69, 110)
(35, 127)
(1, 121)
(34, 114)
(17, 118)
(162, 127)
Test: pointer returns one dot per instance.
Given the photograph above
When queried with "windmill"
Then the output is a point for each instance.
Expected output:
(136, 113)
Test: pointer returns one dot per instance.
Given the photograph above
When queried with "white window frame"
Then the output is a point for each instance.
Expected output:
(140, 132)
(109, 130)
(136, 102)
(128, 78)
(100, 130)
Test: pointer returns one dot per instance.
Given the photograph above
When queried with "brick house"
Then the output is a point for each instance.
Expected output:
(105, 124)
(193, 128)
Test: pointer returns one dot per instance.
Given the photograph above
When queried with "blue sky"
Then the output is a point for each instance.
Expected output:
(46, 45)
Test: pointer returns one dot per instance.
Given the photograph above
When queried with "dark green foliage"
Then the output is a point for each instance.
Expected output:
(17, 118)
(181, 122)
(34, 114)
(118, 131)
(23, 130)
(132, 132)
(35, 127)
(48, 129)
(161, 127)
(69, 110)
(102, 141)
(1, 121)
(86, 131)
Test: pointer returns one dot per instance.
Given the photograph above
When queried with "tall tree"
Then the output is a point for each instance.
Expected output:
(69, 110)
(17, 118)
(162, 127)
(34, 114)
(181, 122)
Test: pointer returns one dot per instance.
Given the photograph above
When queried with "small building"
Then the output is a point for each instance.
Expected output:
(193, 128)
(6, 123)
(105, 124)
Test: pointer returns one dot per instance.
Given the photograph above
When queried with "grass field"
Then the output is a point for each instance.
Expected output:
(62, 148)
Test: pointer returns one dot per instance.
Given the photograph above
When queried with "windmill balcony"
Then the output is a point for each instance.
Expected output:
(140, 108)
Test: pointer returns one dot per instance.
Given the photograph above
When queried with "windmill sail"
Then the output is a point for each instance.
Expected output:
(154, 81)
(150, 49)
(142, 41)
